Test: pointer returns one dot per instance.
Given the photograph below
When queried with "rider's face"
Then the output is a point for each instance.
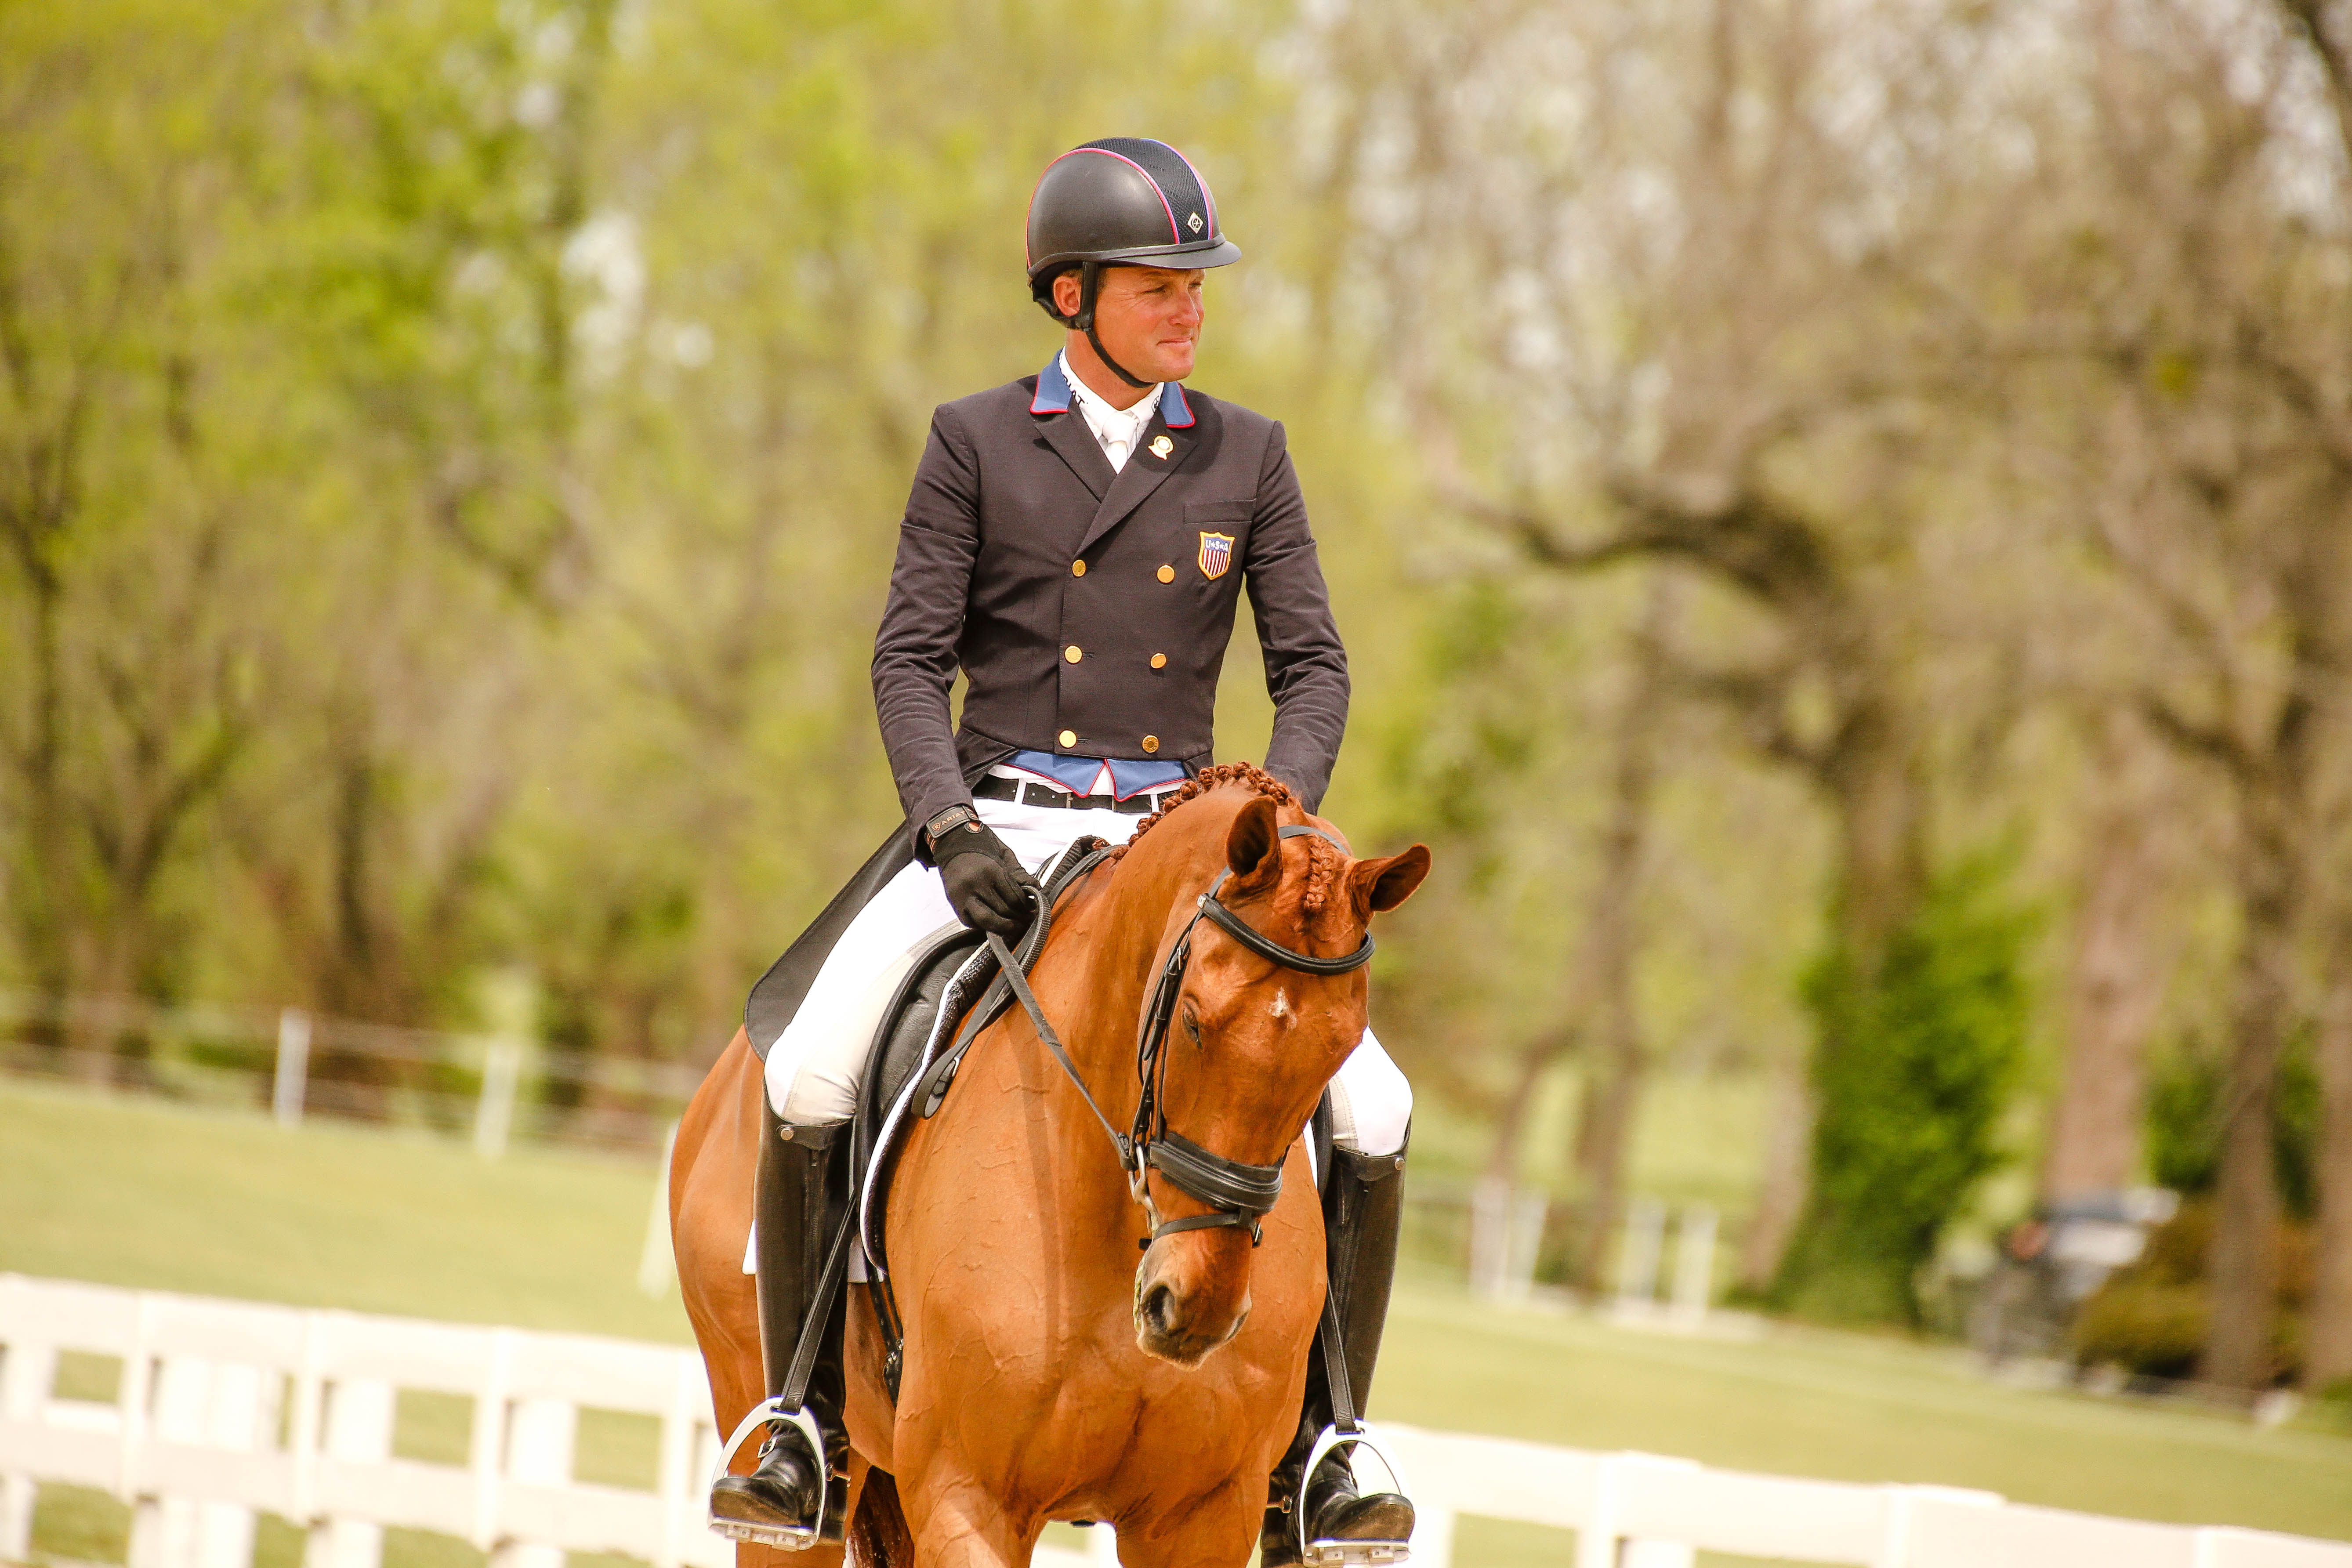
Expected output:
(1148, 318)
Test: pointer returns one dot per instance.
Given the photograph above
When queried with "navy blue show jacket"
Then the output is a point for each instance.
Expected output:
(1089, 610)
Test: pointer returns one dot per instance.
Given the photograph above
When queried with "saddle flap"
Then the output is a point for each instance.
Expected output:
(904, 1030)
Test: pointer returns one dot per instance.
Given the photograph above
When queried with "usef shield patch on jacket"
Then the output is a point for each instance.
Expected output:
(1216, 554)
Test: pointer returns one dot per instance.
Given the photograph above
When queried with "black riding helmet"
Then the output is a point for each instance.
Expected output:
(1125, 201)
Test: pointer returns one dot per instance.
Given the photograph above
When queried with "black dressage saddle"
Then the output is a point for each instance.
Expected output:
(948, 992)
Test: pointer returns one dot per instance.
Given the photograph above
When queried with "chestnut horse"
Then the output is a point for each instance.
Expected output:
(1046, 1376)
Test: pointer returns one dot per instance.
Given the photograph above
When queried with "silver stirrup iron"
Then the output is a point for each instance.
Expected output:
(771, 1411)
(1333, 1553)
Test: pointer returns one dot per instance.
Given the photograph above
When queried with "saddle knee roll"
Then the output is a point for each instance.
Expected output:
(816, 1070)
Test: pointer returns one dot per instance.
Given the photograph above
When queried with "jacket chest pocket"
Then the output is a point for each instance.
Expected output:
(1215, 535)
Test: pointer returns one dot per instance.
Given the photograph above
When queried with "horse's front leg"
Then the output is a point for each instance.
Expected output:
(957, 1523)
(1219, 1531)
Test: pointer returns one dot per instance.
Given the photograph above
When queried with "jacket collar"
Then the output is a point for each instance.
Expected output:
(1052, 390)
(1054, 395)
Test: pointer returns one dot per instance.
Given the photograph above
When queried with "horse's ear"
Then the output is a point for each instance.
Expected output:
(1384, 884)
(1252, 848)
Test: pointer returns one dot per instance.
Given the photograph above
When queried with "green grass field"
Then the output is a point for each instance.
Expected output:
(134, 1193)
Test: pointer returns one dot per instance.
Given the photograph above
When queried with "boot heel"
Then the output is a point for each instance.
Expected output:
(832, 1523)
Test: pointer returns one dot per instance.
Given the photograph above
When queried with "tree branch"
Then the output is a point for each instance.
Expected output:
(1735, 531)
(2212, 742)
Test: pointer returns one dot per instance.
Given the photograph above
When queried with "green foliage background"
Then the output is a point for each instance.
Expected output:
(451, 452)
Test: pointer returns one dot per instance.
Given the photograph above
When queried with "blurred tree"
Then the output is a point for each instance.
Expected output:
(2118, 969)
(2214, 473)
(1710, 354)
(127, 502)
(2328, 1355)
(1612, 938)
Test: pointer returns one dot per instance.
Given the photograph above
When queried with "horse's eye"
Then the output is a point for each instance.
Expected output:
(1192, 1023)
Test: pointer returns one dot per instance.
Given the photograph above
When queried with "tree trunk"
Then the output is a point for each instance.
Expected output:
(2242, 1264)
(1787, 1183)
(2327, 1355)
(1604, 1133)
(1511, 1115)
(43, 921)
(2114, 993)
(1871, 777)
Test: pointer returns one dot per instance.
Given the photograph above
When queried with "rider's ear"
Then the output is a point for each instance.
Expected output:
(1384, 884)
(1252, 849)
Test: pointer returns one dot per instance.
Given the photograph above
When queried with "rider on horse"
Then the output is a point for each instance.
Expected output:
(1075, 542)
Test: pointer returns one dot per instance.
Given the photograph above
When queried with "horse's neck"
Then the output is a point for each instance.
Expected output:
(1112, 971)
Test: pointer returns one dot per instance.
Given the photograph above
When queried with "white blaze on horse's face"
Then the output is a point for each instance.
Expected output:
(1281, 1008)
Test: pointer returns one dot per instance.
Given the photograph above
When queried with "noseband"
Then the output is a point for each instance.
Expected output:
(1237, 1193)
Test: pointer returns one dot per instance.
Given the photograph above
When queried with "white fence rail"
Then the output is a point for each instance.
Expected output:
(224, 1409)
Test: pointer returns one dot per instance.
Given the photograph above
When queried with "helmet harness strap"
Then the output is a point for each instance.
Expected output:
(1090, 285)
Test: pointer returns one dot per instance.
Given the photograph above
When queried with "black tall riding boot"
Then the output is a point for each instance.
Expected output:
(796, 1211)
(1363, 1202)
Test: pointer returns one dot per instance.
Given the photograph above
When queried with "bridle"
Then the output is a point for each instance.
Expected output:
(1238, 1194)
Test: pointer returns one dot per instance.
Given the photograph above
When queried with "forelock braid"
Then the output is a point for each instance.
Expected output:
(1322, 868)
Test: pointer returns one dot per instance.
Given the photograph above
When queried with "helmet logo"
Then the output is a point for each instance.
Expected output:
(1193, 223)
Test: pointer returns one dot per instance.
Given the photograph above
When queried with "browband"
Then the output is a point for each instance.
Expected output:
(1265, 946)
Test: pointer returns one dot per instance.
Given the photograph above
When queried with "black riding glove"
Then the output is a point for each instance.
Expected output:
(987, 887)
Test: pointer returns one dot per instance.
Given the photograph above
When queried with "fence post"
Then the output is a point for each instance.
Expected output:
(1638, 1255)
(494, 1117)
(1526, 1241)
(287, 1091)
(690, 1406)
(1596, 1543)
(28, 1373)
(1694, 1264)
(1433, 1534)
(655, 1267)
(200, 1403)
(358, 1432)
(1895, 1545)
(1490, 1239)
(539, 1453)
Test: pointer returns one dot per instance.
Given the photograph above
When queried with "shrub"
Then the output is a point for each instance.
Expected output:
(2149, 1319)
(1914, 1065)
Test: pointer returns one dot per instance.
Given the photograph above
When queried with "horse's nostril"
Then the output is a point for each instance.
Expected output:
(1159, 1308)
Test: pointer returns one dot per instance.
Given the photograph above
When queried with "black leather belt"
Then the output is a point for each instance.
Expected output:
(995, 786)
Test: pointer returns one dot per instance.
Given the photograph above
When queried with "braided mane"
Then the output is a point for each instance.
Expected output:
(1323, 861)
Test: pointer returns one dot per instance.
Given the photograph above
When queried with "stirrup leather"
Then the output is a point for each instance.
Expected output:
(771, 1411)
(1333, 1553)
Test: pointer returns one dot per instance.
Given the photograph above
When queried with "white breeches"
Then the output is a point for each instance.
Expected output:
(815, 1068)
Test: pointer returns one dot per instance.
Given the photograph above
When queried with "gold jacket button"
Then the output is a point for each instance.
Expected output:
(1150, 742)
(1168, 574)
(1067, 737)
(1071, 654)
(1159, 661)
(1077, 568)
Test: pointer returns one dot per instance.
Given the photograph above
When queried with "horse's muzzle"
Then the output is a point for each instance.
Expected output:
(1189, 1296)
